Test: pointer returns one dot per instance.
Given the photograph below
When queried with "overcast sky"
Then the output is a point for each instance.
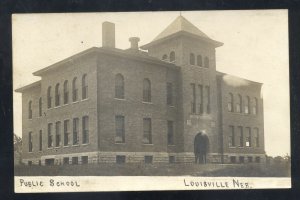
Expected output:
(255, 48)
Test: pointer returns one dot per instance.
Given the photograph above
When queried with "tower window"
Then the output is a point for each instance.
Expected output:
(192, 59)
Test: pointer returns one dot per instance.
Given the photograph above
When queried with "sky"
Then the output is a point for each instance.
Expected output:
(255, 48)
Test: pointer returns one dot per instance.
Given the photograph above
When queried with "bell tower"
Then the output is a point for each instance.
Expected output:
(183, 44)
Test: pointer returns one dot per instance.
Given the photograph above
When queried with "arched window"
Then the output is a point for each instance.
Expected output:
(247, 105)
(84, 87)
(75, 89)
(206, 62)
(164, 57)
(57, 95)
(119, 86)
(40, 106)
(230, 102)
(255, 106)
(49, 98)
(30, 110)
(146, 90)
(66, 92)
(192, 59)
(199, 60)
(239, 104)
(172, 56)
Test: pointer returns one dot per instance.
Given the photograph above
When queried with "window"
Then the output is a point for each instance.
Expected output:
(232, 159)
(231, 139)
(172, 56)
(57, 95)
(75, 90)
(49, 162)
(75, 131)
(193, 102)
(250, 159)
(57, 134)
(256, 137)
(171, 159)
(239, 104)
(84, 160)
(247, 105)
(66, 132)
(248, 137)
(255, 106)
(169, 94)
(120, 129)
(164, 57)
(230, 102)
(85, 130)
(199, 60)
(206, 62)
(208, 99)
(84, 87)
(148, 159)
(240, 136)
(242, 159)
(192, 59)
(49, 98)
(40, 140)
(66, 160)
(146, 90)
(75, 160)
(200, 99)
(119, 86)
(147, 135)
(257, 159)
(50, 136)
(120, 159)
(40, 106)
(170, 133)
(30, 142)
(66, 92)
(30, 110)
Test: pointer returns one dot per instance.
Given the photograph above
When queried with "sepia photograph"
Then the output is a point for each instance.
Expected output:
(135, 101)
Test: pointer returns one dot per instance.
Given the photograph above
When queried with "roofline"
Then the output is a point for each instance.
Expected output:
(224, 74)
(57, 64)
(26, 87)
(208, 40)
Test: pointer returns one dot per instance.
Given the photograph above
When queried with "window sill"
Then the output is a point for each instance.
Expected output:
(119, 99)
(146, 102)
(57, 147)
(148, 144)
(65, 146)
(85, 144)
(120, 143)
(75, 145)
(171, 145)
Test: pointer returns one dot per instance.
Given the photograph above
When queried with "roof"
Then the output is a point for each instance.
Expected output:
(139, 55)
(32, 85)
(183, 26)
(229, 76)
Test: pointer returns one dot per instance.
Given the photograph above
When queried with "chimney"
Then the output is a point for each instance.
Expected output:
(108, 34)
(134, 43)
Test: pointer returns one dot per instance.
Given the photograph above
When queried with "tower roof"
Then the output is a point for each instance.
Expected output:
(182, 26)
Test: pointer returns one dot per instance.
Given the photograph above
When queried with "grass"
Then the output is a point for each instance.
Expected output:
(214, 170)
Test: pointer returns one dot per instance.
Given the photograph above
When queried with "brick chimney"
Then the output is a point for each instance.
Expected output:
(134, 43)
(108, 34)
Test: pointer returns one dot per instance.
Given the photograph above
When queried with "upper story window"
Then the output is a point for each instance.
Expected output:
(30, 146)
(193, 98)
(247, 105)
(230, 102)
(199, 60)
(40, 140)
(50, 136)
(120, 129)
(49, 97)
(146, 90)
(239, 104)
(30, 110)
(255, 106)
(256, 137)
(206, 62)
(57, 95)
(66, 92)
(200, 99)
(248, 137)
(66, 132)
(119, 86)
(57, 134)
(40, 106)
(147, 133)
(231, 138)
(169, 94)
(192, 59)
(84, 87)
(172, 56)
(240, 136)
(75, 131)
(170, 133)
(208, 99)
(164, 57)
(75, 89)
